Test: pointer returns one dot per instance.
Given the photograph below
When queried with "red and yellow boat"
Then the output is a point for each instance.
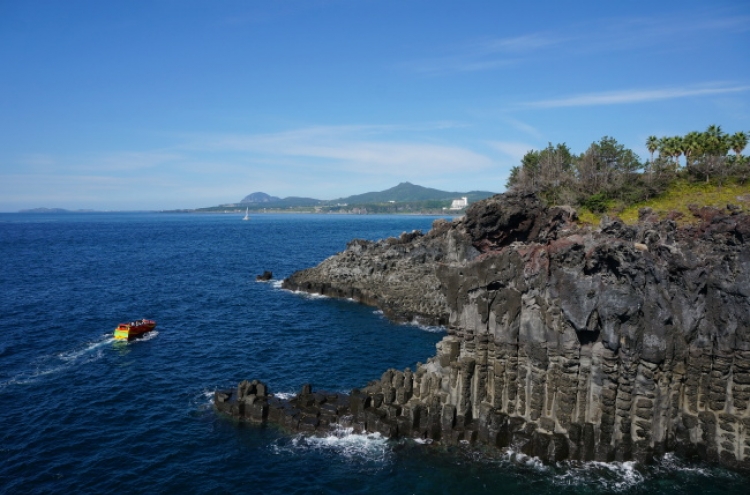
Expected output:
(134, 329)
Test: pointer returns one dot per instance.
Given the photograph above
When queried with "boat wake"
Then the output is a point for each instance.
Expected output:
(54, 363)
(58, 362)
(146, 337)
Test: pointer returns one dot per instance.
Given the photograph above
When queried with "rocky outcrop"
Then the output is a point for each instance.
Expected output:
(397, 274)
(564, 342)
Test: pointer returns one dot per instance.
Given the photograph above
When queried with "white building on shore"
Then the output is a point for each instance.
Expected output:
(459, 204)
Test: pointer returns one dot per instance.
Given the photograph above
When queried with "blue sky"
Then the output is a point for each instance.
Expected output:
(182, 104)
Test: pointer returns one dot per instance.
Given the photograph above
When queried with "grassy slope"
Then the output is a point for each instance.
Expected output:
(677, 198)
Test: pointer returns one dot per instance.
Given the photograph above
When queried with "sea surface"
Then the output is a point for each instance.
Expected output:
(81, 413)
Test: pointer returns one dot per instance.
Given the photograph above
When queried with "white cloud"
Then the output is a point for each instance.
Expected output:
(485, 54)
(584, 38)
(632, 96)
(363, 149)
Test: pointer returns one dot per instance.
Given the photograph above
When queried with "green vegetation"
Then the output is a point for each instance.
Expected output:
(403, 198)
(681, 194)
(609, 178)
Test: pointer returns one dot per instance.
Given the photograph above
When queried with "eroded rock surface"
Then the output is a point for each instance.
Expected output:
(615, 343)
(396, 274)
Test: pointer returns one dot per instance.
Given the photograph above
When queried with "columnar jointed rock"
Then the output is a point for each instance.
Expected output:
(564, 342)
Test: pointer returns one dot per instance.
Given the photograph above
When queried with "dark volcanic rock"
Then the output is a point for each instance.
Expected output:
(616, 343)
(264, 277)
(396, 274)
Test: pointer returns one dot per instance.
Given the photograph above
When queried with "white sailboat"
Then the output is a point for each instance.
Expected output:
(247, 217)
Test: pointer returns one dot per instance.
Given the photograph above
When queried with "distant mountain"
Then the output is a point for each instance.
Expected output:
(408, 192)
(259, 197)
(294, 202)
(44, 210)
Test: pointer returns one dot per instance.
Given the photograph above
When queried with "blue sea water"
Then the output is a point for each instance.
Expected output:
(80, 413)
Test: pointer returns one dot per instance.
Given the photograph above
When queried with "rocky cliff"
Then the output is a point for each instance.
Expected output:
(564, 342)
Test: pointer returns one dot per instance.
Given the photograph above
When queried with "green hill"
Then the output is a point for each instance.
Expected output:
(403, 198)
(408, 192)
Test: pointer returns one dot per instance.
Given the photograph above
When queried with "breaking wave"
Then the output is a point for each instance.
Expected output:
(365, 447)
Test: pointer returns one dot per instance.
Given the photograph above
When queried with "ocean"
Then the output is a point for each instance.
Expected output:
(81, 413)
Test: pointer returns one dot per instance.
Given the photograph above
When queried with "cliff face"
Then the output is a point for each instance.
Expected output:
(398, 275)
(563, 342)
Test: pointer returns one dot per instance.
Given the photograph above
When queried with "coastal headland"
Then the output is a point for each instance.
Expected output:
(613, 342)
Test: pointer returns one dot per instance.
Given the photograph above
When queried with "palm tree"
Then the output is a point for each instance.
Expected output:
(670, 146)
(737, 142)
(691, 145)
(715, 146)
(652, 144)
(715, 140)
(676, 150)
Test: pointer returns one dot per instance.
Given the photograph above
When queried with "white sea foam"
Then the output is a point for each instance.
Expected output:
(306, 295)
(610, 476)
(525, 460)
(369, 447)
(91, 346)
(415, 323)
(276, 284)
(204, 400)
(284, 395)
(310, 295)
(149, 336)
(671, 462)
(427, 328)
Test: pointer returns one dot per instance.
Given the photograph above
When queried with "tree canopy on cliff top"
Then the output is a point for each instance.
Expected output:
(608, 173)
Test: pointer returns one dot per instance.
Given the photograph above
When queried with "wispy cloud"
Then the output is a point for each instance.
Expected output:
(597, 36)
(132, 161)
(363, 149)
(632, 96)
(485, 54)
(524, 127)
(201, 169)
(514, 150)
(517, 44)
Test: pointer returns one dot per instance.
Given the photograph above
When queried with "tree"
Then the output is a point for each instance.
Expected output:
(691, 145)
(715, 147)
(547, 172)
(677, 150)
(513, 178)
(606, 167)
(737, 142)
(671, 147)
(652, 144)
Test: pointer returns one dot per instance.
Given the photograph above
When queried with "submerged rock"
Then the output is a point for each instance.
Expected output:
(564, 342)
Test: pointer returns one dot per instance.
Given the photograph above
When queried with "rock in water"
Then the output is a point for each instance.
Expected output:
(564, 342)
(264, 277)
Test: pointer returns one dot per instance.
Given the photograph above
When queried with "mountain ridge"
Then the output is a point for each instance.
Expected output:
(403, 192)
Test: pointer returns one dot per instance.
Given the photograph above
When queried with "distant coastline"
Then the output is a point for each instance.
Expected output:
(404, 199)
